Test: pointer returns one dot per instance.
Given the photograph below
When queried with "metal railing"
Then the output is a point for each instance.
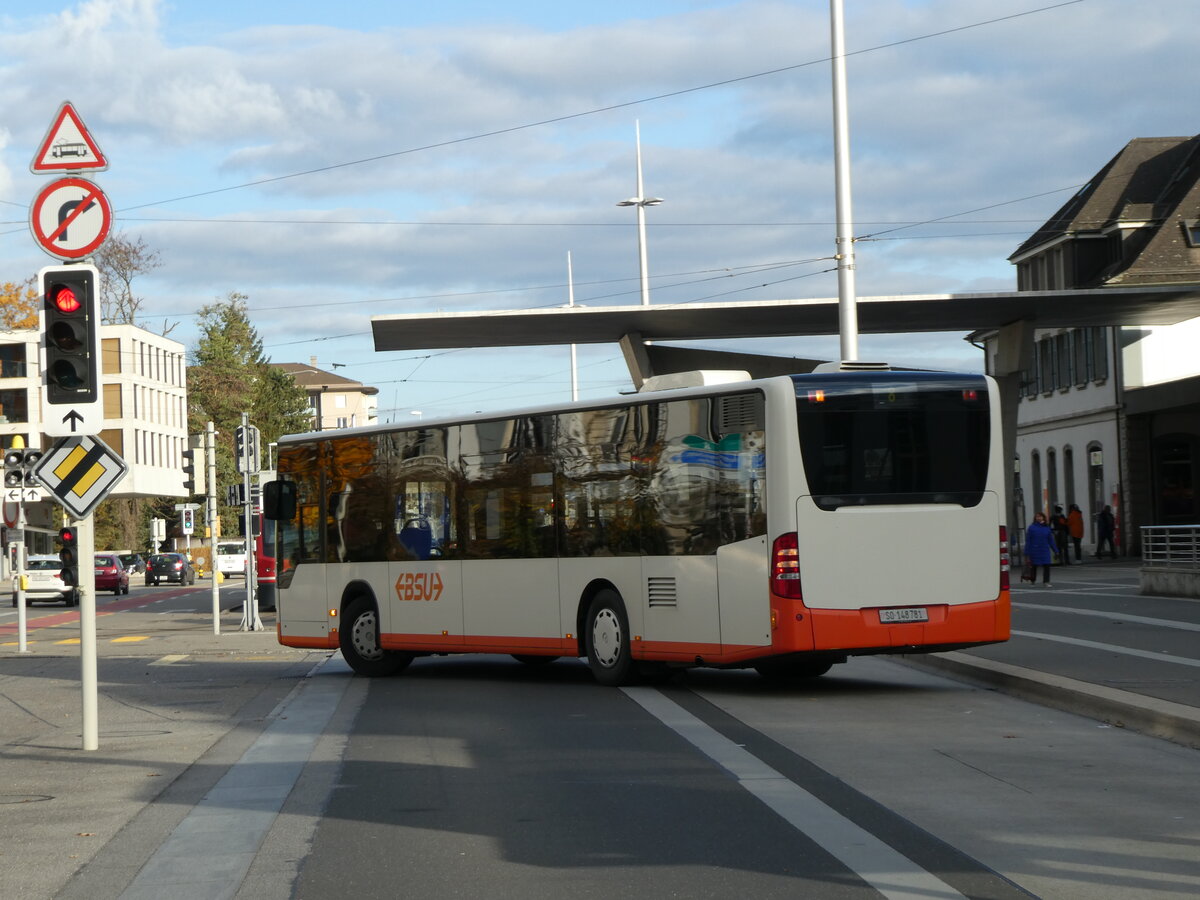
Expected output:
(1171, 546)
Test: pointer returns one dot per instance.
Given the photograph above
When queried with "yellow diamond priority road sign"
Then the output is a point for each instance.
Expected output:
(79, 472)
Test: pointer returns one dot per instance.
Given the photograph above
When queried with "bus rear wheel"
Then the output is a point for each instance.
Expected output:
(359, 642)
(607, 635)
(785, 670)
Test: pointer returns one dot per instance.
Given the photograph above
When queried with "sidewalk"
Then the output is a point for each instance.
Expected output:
(165, 701)
(1032, 667)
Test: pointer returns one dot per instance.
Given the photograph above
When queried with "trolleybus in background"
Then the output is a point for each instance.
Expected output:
(784, 523)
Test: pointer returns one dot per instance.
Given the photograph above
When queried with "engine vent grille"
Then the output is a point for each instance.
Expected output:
(737, 413)
(661, 591)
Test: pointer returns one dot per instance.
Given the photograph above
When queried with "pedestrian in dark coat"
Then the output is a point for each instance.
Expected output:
(1040, 546)
(1062, 534)
(1106, 529)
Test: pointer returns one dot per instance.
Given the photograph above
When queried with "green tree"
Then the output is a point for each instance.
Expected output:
(232, 375)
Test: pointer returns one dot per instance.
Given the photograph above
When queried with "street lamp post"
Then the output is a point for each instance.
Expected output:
(641, 201)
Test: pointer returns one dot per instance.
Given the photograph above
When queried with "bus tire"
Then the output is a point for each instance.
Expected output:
(359, 642)
(607, 636)
(531, 660)
(783, 671)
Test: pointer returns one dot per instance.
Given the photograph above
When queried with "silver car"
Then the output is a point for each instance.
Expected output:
(44, 582)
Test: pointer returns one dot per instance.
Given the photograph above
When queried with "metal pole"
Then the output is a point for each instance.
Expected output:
(210, 499)
(574, 354)
(847, 309)
(250, 617)
(87, 631)
(19, 578)
(641, 220)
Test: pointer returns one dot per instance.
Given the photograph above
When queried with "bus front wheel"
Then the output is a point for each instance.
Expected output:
(607, 633)
(359, 641)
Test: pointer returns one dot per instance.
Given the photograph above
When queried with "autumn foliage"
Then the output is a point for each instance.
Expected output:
(18, 305)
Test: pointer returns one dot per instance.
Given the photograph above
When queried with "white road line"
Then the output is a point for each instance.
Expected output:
(171, 658)
(889, 872)
(1112, 648)
(1124, 617)
(209, 853)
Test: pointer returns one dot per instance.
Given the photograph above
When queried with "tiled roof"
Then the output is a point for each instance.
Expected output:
(308, 376)
(1149, 191)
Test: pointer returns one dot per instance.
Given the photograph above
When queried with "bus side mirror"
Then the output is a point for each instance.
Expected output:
(279, 500)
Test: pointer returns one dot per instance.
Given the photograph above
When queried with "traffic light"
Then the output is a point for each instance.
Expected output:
(246, 452)
(193, 466)
(18, 467)
(187, 521)
(69, 556)
(71, 334)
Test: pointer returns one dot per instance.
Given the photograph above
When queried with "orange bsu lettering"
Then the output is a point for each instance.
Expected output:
(419, 586)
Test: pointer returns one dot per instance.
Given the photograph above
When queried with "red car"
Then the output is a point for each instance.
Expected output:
(111, 574)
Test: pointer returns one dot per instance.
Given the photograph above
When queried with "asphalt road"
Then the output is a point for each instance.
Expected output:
(232, 767)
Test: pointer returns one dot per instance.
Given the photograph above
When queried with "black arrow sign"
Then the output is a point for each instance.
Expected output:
(76, 419)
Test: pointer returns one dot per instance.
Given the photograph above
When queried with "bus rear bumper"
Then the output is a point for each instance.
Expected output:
(947, 627)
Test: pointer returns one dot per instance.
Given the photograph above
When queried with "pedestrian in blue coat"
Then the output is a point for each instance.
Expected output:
(1040, 546)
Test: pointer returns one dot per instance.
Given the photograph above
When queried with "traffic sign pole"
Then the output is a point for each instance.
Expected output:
(210, 462)
(87, 631)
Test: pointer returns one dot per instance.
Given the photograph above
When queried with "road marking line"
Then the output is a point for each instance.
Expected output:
(170, 658)
(875, 862)
(1113, 648)
(211, 850)
(131, 639)
(1101, 614)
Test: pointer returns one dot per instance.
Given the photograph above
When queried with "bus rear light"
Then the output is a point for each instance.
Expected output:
(1004, 559)
(785, 566)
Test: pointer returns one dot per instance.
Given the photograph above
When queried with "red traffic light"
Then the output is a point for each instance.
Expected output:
(69, 536)
(64, 299)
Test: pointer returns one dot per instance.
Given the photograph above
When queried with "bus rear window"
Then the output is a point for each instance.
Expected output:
(906, 438)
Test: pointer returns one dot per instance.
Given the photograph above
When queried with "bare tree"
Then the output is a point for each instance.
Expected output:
(120, 259)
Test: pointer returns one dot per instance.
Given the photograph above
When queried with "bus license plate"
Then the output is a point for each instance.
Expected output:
(908, 614)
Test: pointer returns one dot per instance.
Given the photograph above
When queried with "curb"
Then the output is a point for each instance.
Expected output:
(1164, 719)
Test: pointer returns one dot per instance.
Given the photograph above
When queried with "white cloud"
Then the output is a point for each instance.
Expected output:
(960, 122)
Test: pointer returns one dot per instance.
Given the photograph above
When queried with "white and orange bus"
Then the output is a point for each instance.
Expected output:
(785, 523)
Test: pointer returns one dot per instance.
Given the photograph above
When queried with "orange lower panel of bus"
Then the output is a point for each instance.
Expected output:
(800, 630)
(947, 626)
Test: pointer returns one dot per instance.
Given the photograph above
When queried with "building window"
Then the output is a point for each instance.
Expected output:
(1046, 366)
(1099, 354)
(12, 361)
(14, 406)
(1079, 354)
(1191, 230)
(1062, 353)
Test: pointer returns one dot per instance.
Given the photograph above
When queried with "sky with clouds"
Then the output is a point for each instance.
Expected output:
(338, 161)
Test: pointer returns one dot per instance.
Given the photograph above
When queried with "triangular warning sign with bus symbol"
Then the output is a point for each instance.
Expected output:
(68, 147)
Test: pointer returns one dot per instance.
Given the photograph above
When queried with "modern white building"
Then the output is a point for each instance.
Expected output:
(145, 411)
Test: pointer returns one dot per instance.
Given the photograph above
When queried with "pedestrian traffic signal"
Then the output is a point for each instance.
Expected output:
(69, 556)
(18, 467)
(71, 334)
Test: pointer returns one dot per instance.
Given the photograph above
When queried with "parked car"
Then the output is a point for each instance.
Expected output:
(111, 574)
(45, 582)
(169, 567)
(135, 563)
